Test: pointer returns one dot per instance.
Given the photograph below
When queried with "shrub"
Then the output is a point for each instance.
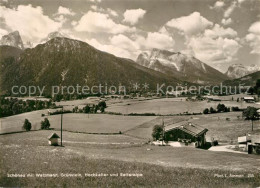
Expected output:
(221, 108)
(45, 124)
(102, 104)
(143, 114)
(214, 143)
(206, 111)
(235, 109)
(102, 109)
(212, 110)
(27, 125)
(157, 132)
(86, 109)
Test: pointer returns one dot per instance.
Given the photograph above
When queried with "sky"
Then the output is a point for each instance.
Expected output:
(219, 33)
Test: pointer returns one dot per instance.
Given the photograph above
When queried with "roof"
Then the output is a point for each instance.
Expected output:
(53, 135)
(249, 98)
(190, 128)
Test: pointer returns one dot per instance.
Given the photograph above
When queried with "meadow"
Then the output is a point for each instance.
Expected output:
(29, 153)
(76, 122)
(224, 127)
(166, 106)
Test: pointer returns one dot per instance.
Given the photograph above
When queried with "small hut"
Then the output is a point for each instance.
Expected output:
(53, 139)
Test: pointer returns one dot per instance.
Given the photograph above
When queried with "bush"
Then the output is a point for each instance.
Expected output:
(143, 114)
(45, 124)
(235, 109)
(86, 109)
(157, 132)
(221, 108)
(27, 125)
(214, 143)
(212, 110)
(206, 111)
(102, 104)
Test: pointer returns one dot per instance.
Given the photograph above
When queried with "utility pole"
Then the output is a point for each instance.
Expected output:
(61, 117)
(163, 130)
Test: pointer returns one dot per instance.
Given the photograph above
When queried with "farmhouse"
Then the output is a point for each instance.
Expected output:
(250, 143)
(212, 98)
(186, 134)
(53, 139)
(249, 99)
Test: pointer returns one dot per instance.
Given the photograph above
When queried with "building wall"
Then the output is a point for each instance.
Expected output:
(53, 141)
(176, 134)
(173, 135)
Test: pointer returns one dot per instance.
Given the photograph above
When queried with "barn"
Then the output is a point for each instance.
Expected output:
(186, 134)
(250, 143)
(249, 99)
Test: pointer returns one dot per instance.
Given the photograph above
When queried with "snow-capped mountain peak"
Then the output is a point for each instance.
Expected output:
(53, 35)
(239, 70)
(12, 39)
(185, 67)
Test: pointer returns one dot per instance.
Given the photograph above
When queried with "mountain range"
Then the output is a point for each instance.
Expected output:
(63, 61)
(248, 80)
(239, 70)
(181, 66)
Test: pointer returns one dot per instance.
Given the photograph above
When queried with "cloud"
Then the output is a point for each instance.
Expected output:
(159, 40)
(108, 10)
(3, 32)
(208, 50)
(190, 25)
(32, 24)
(255, 28)
(226, 21)
(96, 22)
(61, 19)
(124, 42)
(120, 52)
(112, 12)
(133, 16)
(253, 38)
(218, 31)
(74, 23)
(218, 5)
(95, 1)
(65, 11)
(230, 9)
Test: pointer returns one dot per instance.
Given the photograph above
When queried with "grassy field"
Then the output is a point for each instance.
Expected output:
(97, 123)
(15, 123)
(93, 123)
(167, 106)
(219, 127)
(28, 152)
(226, 130)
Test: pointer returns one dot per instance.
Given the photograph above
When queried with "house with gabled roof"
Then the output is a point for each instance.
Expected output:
(186, 134)
(53, 139)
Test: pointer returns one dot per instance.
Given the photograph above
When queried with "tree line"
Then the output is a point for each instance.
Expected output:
(13, 106)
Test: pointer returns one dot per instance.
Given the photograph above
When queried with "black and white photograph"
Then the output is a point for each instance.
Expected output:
(130, 93)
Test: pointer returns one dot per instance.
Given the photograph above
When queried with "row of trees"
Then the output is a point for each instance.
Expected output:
(13, 106)
(91, 109)
(45, 124)
(220, 108)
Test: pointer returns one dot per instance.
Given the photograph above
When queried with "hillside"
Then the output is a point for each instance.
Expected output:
(181, 66)
(63, 61)
(248, 80)
(9, 56)
(239, 70)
